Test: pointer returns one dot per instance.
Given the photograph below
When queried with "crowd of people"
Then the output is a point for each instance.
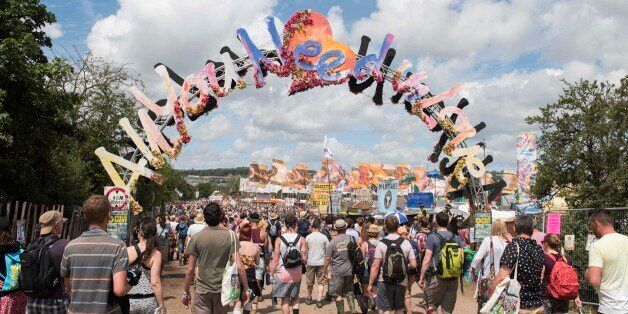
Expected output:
(360, 265)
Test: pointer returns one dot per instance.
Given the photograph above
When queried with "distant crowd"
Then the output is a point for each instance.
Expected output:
(232, 254)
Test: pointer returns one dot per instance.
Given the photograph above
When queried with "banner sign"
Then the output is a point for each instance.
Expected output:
(569, 242)
(320, 194)
(416, 199)
(118, 225)
(336, 202)
(363, 195)
(553, 224)
(387, 195)
(526, 161)
(482, 227)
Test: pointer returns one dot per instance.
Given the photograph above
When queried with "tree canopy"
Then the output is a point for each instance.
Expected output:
(583, 145)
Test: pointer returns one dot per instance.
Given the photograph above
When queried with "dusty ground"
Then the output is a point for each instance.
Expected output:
(172, 281)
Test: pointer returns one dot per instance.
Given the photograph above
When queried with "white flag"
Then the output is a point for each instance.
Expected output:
(328, 153)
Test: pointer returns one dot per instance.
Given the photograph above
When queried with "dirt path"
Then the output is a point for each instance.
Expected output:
(172, 281)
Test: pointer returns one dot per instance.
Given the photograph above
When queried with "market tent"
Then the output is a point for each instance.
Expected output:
(502, 214)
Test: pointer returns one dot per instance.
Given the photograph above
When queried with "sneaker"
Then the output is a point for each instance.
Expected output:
(319, 304)
(308, 300)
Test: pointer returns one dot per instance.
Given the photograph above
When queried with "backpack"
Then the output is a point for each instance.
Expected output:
(450, 260)
(355, 256)
(394, 264)
(370, 255)
(563, 283)
(326, 233)
(421, 239)
(38, 276)
(13, 266)
(183, 230)
(273, 229)
(292, 259)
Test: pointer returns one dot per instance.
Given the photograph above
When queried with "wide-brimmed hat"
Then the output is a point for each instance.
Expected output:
(199, 218)
(48, 220)
(273, 216)
(254, 217)
(340, 224)
(302, 214)
(373, 228)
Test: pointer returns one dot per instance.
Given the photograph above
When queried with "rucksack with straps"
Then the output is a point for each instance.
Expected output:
(292, 259)
(563, 280)
(273, 229)
(394, 264)
(355, 256)
(450, 260)
(38, 276)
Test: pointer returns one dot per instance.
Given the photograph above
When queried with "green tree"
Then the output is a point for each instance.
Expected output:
(206, 189)
(583, 144)
(174, 187)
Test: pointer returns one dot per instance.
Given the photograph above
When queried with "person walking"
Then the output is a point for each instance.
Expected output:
(392, 256)
(95, 264)
(303, 225)
(182, 233)
(316, 247)
(371, 240)
(607, 270)
(274, 229)
(12, 299)
(259, 236)
(485, 264)
(552, 247)
(289, 255)
(339, 254)
(351, 230)
(51, 223)
(147, 295)
(250, 256)
(413, 274)
(528, 255)
(440, 282)
(164, 234)
(211, 248)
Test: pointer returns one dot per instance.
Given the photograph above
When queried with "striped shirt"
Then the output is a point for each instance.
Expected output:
(90, 261)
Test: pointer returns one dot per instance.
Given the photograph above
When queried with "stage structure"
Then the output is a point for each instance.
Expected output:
(307, 53)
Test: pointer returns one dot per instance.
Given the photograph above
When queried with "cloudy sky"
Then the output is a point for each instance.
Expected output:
(512, 55)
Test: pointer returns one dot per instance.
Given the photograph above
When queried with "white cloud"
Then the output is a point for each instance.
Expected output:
(512, 54)
(53, 30)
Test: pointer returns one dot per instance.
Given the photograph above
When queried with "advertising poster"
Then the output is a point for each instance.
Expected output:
(526, 161)
(482, 227)
(416, 199)
(119, 215)
(553, 224)
(336, 202)
(569, 242)
(320, 194)
(387, 195)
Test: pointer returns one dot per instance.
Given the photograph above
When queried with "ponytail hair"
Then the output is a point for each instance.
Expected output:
(553, 241)
(148, 230)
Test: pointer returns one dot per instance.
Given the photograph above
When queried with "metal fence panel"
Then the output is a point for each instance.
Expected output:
(575, 222)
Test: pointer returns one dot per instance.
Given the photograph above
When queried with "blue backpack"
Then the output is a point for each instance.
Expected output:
(13, 266)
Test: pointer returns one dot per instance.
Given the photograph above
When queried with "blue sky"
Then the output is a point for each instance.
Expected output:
(511, 54)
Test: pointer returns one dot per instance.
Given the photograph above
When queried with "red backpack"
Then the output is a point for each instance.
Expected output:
(563, 280)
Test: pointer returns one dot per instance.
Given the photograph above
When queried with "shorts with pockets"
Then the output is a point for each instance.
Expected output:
(441, 292)
(314, 273)
(390, 296)
(340, 285)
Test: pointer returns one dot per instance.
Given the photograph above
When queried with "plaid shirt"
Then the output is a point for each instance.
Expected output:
(46, 306)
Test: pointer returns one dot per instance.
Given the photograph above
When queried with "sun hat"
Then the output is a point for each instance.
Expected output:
(373, 228)
(48, 220)
(340, 224)
(199, 218)
(273, 216)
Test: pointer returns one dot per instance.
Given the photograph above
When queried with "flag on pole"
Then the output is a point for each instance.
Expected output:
(328, 153)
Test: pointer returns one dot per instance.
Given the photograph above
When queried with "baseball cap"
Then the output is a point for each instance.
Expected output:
(48, 220)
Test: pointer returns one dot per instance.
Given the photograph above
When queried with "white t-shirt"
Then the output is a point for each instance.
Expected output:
(611, 253)
(316, 245)
(483, 255)
(195, 228)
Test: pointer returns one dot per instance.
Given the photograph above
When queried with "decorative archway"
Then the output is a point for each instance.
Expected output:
(308, 53)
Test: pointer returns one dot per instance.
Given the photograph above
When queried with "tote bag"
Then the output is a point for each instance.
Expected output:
(230, 281)
(485, 283)
(505, 299)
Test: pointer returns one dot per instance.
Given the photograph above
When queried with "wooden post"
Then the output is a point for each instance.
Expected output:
(14, 222)
(27, 225)
(8, 209)
(34, 223)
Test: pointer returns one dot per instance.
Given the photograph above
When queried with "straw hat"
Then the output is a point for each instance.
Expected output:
(373, 228)
(199, 218)
(340, 224)
(273, 216)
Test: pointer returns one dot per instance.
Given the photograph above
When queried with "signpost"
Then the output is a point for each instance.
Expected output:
(387, 195)
(482, 228)
(119, 215)
(321, 196)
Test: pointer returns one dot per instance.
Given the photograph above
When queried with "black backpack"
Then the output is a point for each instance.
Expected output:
(394, 264)
(38, 275)
(292, 258)
(356, 258)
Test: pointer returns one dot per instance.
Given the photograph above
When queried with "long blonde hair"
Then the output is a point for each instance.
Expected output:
(498, 228)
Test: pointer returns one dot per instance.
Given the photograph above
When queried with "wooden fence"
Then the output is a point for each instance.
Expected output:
(24, 218)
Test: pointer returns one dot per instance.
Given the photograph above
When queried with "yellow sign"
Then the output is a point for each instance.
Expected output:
(320, 194)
